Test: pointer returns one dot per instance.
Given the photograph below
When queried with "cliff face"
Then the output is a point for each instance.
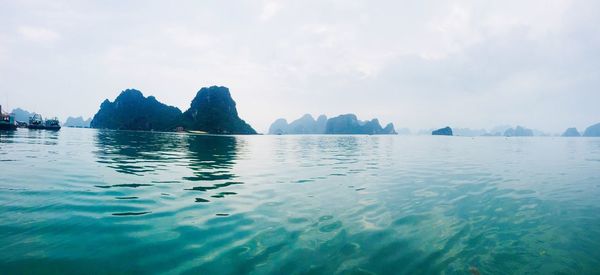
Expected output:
(592, 131)
(571, 132)
(132, 111)
(350, 125)
(446, 131)
(213, 111)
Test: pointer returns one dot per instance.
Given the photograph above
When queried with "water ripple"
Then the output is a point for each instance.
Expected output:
(138, 202)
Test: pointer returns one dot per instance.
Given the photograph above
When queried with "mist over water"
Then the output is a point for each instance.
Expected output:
(94, 201)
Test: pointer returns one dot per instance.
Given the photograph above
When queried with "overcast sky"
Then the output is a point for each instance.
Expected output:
(419, 64)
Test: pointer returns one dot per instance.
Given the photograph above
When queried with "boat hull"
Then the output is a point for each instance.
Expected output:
(8, 127)
(41, 127)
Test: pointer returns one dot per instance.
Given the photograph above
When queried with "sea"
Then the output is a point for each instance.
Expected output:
(86, 201)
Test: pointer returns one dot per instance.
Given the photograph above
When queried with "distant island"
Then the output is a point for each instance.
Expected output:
(347, 124)
(519, 131)
(21, 115)
(446, 131)
(305, 125)
(592, 131)
(212, 111)
(77, 122)
(571, 132)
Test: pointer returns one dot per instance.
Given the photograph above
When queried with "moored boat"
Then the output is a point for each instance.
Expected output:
(37, 122)
(7, 121)
(52, 124)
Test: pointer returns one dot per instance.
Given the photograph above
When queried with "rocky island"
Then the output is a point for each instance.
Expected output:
(21, 115)
(446, 131)
(77, 122)
(347, 124)
(519, 131)
(350, 125)
(132, 111)
(212, 111)
(592, 131)
(571, 132)
(306, 125)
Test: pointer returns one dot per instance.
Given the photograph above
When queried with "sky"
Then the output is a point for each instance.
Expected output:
(418, 64)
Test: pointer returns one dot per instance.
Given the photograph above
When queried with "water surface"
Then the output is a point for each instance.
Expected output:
(88, 201)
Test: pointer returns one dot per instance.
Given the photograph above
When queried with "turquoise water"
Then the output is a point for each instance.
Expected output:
(87, 201)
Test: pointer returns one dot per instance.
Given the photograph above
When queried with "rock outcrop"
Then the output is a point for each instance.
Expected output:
(592, 131)
(21, 115)
(78, 122)
(571, 132)
(519, 131)
(213, 111)
(306, 125)
(446, 131)
(350, 125)
(279, 127)
(132, 111)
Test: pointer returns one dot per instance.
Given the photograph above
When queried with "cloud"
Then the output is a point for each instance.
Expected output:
(420, 64)
(38, 34)
(270, 9)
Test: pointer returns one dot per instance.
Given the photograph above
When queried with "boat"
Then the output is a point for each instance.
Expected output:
(7, 121)
(37, 122)
(52, 124)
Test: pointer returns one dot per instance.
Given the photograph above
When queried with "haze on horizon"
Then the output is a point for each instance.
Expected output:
(418, 64)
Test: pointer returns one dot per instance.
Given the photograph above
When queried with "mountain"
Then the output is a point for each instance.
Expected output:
(302, 126)
(21, 115)
(592, 131)
(321, 126)
(349, 124)
(132, 111)
(571, 132)
(446, 131)
(213, 111)
(519, 131)
(77, 122)
(279, 127)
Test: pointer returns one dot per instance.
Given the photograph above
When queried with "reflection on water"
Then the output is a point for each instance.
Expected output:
(211, 157)
(137, 153)
(82, 200)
